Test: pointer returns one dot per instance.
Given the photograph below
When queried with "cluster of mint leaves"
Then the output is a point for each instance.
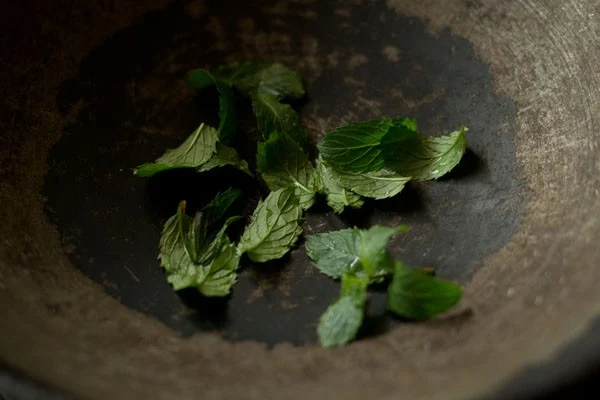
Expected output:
(360, 258)
(371, 159)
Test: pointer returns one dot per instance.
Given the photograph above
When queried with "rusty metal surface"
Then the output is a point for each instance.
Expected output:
(94, 89)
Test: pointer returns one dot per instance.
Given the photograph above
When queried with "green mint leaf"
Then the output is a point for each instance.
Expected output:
(245, 76)
(280, 81)
(210, 249)
(273, 116)
(267, 85)
(426, 158)
(174, 253)
(273, 79)
(184, 277)
(200, 79)
(204, 222)
(355, 287)
(357, 147)
(373, 252)
(417, 295)
(214, 274)
(273, 228)
(377, 185)
(340, 323)
(221, 203)
(342, 320)
(227, 113)
(214, 271)
(196, 150)
(224, 156)
(337, 197)
(282, 163)
(360, 252)
(335, 253)
(193, 260)
(221, 272)
(177, 250)
(409, 123)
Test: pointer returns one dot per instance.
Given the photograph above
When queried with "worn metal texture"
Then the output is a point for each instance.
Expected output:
(92, 90)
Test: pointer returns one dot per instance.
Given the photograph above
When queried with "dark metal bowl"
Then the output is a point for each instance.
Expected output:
(91, 90)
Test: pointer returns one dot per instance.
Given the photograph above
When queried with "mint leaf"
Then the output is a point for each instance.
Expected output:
(415, 294)
(337, 197)
(282, 163)
(274, 227)
(227, 113)
(267, 85)
(377, 185)
(372, 250)
(200, 79)
(210, 248)
(426, 158)
(192, 153)
(273, 79)
(361, 252)
(273, 116)
(280, 81)
(355, 287)
(174, 254)
(224, 156)
(221, 272)
(339, 323)
(214, 274)
(201, 151)
(184, 277)
(221, 203)
(178, 249)
(335, 253)
(200, 233)
(408, 123)
(357, 147)
(193, 259)
(342, 320)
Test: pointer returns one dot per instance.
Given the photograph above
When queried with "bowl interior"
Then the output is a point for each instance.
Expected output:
(105, 92)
